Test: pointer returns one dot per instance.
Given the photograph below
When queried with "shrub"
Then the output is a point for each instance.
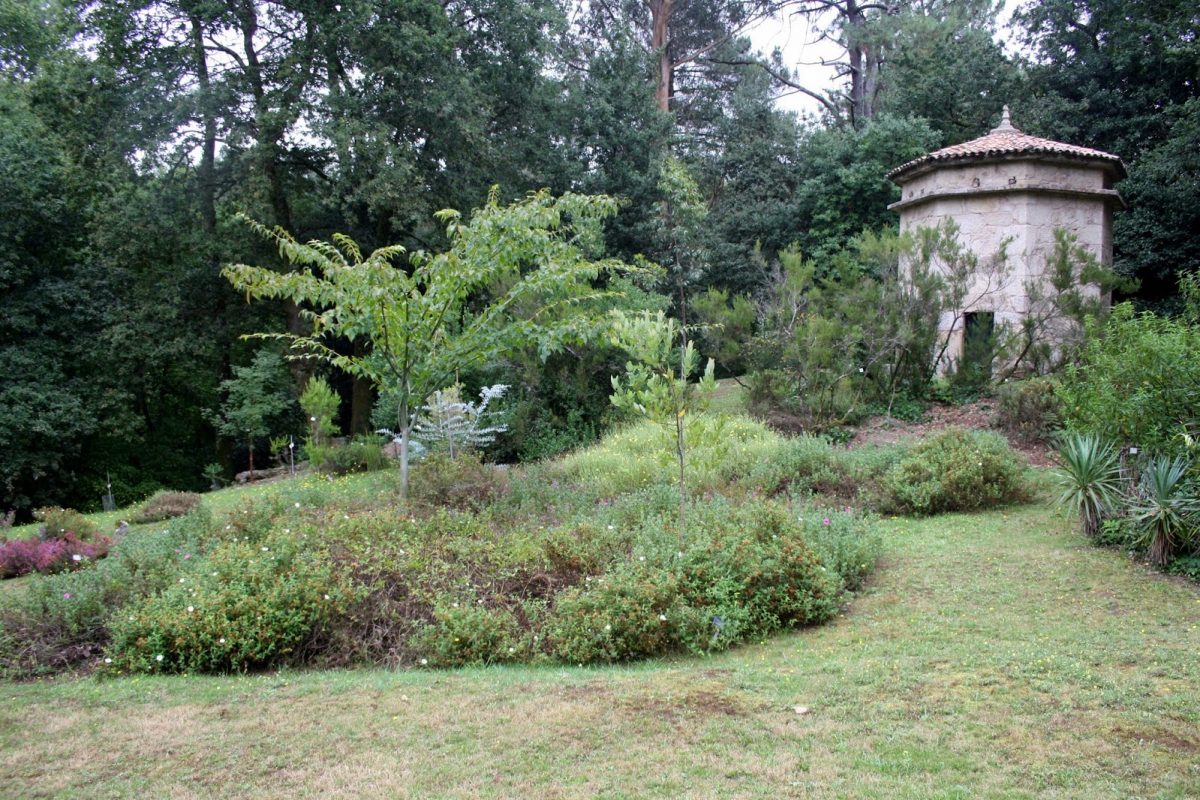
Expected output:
(1135, 382)
(750, 572)
(466, 633)
(62, 620)
(240, 606)
(845, 542)
(626, 614)
(755, 573)
(463, 482)
(954, 470)
(1029, 409)
(166, 505)
(60, 522)
(63, 553)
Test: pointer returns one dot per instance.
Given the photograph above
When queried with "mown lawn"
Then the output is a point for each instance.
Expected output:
(992, 656)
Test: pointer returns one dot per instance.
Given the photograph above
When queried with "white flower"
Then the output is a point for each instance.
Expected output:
(326, 597)
(221, 640)
(181, 580)
(608, 627)
(76, 557)
(512, 649)
(158, 657)
(191, 609)
(424, 661)
(108, 661)
(297, 505)
(641, 558)
(610, 527)
(264, 549)
(662, 617)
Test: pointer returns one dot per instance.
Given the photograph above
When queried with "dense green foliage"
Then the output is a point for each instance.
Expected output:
(955, 470)
(1136, 381)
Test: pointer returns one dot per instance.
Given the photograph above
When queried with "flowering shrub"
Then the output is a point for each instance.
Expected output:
(61, 620)
(240, 606)
(750, 573)
(845, 541)
(632, 612)
(466, 633)
(954, 470)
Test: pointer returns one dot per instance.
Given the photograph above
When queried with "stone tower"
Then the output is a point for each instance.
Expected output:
(1009, 190)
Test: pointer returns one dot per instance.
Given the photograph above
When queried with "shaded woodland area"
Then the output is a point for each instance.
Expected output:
(132, 134)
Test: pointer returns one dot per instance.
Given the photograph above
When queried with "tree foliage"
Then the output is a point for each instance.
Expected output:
(511, 275)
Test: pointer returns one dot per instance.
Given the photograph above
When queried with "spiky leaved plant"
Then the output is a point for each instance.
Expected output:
(1089, 474)
(1167, 509)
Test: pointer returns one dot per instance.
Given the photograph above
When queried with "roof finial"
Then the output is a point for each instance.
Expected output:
(1005, 122)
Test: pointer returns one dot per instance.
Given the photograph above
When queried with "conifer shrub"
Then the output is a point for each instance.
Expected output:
(1029, 409)
(954, 470)
(166, 505)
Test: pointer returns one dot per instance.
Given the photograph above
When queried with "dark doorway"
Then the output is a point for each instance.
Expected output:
(979, 346)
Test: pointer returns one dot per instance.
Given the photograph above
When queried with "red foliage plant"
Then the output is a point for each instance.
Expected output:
(22, 556)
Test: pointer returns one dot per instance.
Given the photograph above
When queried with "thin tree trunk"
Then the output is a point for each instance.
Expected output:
(208, 153)
(405, 424)
(660, 41)
(679, 451)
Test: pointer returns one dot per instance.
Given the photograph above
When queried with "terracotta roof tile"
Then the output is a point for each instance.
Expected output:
(1005, 140)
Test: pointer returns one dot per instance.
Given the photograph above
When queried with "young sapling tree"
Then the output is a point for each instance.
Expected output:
(657, 382)
(254, 395)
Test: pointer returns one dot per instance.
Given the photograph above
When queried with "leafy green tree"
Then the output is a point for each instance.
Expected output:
(506, 279)
(842, 180)
(1120, 75)
(254, 395)
(658, 383)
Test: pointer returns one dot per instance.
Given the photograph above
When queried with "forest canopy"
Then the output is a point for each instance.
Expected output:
(134, 134)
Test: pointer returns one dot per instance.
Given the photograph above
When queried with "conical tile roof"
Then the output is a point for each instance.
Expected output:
(1005, 141)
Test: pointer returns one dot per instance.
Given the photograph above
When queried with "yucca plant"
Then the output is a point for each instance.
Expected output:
(1166, 511)
(1089, 474)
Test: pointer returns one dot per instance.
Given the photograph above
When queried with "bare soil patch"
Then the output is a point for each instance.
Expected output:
(979, 415)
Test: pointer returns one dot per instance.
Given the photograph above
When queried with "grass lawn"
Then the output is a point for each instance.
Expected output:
(992, 655)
